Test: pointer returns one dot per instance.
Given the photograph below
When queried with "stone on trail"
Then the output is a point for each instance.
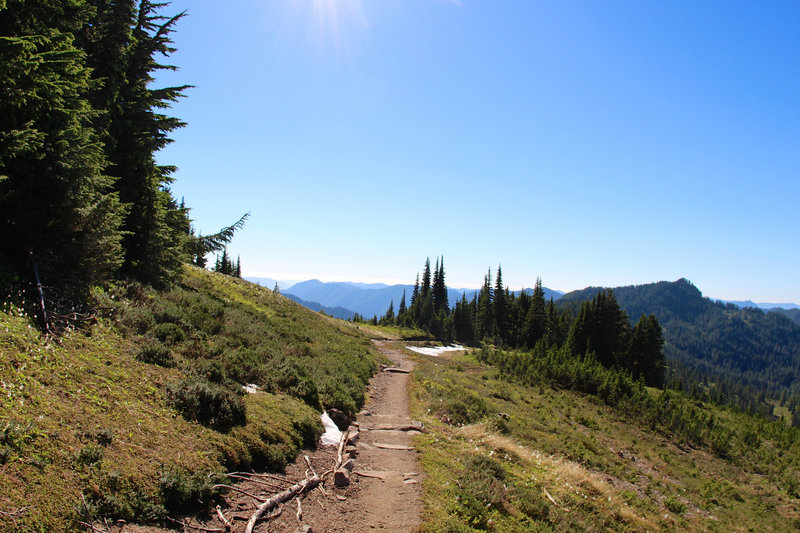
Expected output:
(341, 420)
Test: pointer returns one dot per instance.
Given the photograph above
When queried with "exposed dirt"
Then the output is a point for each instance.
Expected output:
(384, 491)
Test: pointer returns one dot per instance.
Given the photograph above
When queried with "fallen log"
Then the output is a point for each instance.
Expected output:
(293, 491)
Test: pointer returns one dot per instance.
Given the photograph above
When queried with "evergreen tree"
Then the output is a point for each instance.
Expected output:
(401, 310)
(125, 61)
(464, 321)
(440, 300)
(57, 204)
(484, 313)
(500, 307)
(426, 279)
(536, 319)
(237, 271)
(388, 318)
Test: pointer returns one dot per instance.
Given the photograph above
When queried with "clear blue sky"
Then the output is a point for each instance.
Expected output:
(589, 143)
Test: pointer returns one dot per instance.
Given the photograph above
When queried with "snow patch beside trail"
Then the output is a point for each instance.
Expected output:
(251, 388)
(332, 435)
(437, 351)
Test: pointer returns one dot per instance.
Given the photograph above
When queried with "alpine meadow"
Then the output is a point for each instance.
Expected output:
(159, 161)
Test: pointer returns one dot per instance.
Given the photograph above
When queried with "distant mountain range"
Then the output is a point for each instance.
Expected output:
(762, 305)
(370, 299)
(336, 312)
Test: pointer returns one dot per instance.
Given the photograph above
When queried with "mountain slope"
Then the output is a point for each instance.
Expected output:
(745, 346)
(793, 314)
(131, 414)
(335, 312)
(508, 456)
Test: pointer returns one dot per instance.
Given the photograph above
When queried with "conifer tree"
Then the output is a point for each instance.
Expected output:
(440, 302)
(124, 48)
(500, 307)
(536, 318)
(484, 313)
(426, 279)
(401, 309)
(57, 204)
(388, 318)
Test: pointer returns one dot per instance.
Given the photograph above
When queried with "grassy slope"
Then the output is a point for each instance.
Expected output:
(84, 416)
(569, 463)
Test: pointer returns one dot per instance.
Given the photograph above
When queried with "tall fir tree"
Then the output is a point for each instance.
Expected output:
(484, 312)
(500, 307)
(57, 204)
(425, 290)
(124, 46)
(440, 301)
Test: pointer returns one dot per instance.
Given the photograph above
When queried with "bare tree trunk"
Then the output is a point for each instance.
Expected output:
(34, 269)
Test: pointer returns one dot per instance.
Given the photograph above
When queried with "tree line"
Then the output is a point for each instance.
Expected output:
(82, 197)
(601, 330)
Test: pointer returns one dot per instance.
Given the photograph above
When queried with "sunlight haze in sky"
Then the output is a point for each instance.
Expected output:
(589, 143)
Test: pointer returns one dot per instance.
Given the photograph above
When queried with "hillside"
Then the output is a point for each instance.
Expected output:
(532, 454)
(127, 417)
(740, 346)
(793, 314)
(335, 312)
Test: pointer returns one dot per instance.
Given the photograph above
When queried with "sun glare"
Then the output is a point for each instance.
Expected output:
(331, 19)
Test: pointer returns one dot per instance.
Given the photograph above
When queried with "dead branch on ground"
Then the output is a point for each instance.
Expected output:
(224, 520)
(293, 491)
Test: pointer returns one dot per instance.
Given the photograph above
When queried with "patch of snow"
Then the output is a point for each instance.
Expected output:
(332, 435)
(250, 388)
(436, 351)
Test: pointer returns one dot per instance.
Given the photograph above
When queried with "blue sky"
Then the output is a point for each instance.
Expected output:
(589, 143)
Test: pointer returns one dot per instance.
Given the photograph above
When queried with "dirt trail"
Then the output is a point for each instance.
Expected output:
(387, 496)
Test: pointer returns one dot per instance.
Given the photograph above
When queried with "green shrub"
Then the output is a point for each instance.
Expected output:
(168, 333)
(138, 318)
(481, 489)
(210, 369)
(291, 379)
(156, 354)
(208, 403)
(242, 364)
(183, 492)
(674, 505)
(532, 502)
(463, 407)
(89, 455)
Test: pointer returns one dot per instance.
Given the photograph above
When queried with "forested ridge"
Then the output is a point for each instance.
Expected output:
(746, 357)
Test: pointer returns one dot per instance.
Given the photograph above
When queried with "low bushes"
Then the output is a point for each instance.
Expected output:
(210, 404)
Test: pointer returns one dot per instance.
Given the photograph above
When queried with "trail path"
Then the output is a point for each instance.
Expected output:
(387, 497)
